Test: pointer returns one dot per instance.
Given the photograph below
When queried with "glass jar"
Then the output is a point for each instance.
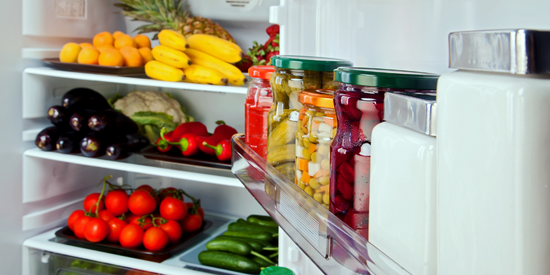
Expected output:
(292, 75)
(316, 128)
(359, 105)
(259, 99)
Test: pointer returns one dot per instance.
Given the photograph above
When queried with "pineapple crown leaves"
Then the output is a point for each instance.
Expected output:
(163, 14)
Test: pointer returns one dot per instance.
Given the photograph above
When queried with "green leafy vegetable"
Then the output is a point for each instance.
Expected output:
(151, 122)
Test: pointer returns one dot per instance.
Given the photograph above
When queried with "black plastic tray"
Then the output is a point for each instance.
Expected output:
(175, 156)
(187, 241)
(116, 70)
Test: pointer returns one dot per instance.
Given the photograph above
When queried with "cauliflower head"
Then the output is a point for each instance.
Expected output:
(148, 101)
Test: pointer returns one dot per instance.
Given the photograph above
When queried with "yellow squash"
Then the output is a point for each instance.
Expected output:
(233, 74)
(171, 57)
(161, 71)
(204, 75)
(217, 47)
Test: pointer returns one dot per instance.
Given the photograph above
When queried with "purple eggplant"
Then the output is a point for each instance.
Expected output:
(79, 121)
(59, 116)
(93, 144)
(84, 99)
(47, 138)
(69, 142)
(111, 122)
(128, 144)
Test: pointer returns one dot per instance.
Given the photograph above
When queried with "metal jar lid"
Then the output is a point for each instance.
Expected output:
(515, 51)
(414, 111)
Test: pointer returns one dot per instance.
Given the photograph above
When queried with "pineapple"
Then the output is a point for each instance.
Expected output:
(170, 14)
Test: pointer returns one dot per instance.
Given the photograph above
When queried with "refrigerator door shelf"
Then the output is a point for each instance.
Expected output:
(332, 245)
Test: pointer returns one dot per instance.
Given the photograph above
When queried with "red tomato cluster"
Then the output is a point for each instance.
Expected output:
(145, 217)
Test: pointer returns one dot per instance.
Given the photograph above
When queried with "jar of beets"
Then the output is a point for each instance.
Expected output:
(359, 105)
(259, 99)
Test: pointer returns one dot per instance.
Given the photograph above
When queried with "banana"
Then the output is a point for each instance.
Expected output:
(161, 71)
(171, 57)
(173, 39)
(233, 74)
(204, 75)
(217, 47)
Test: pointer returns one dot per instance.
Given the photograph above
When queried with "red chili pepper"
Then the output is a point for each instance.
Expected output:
(223, 150)
(188, 144)
(162, 143)
(222, 132)
(195, 127)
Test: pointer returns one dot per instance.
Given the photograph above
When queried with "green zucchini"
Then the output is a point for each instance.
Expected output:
(229, 261)
(256, 246)
(262, 220)
(261, 262)
(251, 227)
(233, 246)
(263, 236)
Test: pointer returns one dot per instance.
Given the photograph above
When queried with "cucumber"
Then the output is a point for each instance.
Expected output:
(262, 220)
(255, 244)
(233, 246)
(229, 261)
(261, 262)
(263, 236)
(251, 227)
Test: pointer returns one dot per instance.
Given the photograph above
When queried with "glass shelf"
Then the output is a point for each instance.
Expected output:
(331, 244)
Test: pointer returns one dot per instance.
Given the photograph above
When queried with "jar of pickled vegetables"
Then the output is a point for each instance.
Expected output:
(316, 128)
(359, 105)
(292, 75)
(259, 99)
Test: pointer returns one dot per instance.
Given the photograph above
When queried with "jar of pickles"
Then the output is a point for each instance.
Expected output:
(359, 105)
(259, 99)
(316, 128)
(292, 75)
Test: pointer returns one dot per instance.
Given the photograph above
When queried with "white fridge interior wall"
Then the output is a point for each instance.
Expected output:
(398, 34)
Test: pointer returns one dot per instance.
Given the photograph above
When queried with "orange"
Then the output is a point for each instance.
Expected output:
(84, 45)
(142, 41)
(125, 41)
(104, 47)
(145, 54)
(131, 56)
(103, 38)
(69, 52)
(88, 56)
(110, 57)
(117, 34)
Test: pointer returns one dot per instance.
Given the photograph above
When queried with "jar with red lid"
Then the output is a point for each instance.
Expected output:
(359, 105)
(259, 99)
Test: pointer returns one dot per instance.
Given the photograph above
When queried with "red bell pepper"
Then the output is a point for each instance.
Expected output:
(223, 150)
(195, 127)
(162, 143)
(188, 144)
(222, 132)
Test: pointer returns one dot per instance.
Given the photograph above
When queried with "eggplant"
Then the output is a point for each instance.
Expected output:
(113, 123)
(84, 99)
(79, 121)
(47, 138)
(69, 142)
(59, 116)
(126, 145)
(93, 144)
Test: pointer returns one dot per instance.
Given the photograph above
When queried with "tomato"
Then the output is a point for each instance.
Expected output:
(173, 230)
(191, 223)
(146, 224)
(128, 217)
(147, 188)
(79, 226)
(131, 236)
(200, 210)
(77, 214)
(116, 202)
(106, 215)
(90, 201)
(155, 239)
(168, 193)
(141, 203)
(96, 230)
(115, 228)
(173, 209)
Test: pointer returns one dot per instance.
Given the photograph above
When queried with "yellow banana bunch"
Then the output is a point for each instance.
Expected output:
(171, 57)
(217, 47)
(204, 75)
(233, 74)
(172, 39)
(161, 71)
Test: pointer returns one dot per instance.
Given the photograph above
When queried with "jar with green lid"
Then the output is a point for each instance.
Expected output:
(276, 270)
(316, 129)
(292, 75)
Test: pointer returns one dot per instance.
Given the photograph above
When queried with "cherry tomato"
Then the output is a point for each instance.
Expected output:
(173, 209)
(146, 224)
(191, 223)
(168, 193)
(116, 202)
(79, 226)
(106, 215)
(90, 201)
(173, 230)
(115, 228)
(77, 214)
(141, 203)
(131, 236)
(200, 210)
(147, 188)
(128, 217)
(96, 230)
(155, 239)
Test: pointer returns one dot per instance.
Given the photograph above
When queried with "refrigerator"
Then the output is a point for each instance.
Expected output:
(40, 189)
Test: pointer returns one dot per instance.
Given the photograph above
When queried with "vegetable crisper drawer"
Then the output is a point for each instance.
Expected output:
(48, 263)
